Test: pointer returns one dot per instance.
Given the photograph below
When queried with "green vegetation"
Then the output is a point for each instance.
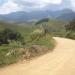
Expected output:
(10, 42)
(58, 28)
(9, 55)
(8, 35)
(29, 40)
(46, 41)
(54, 27)
(70, 30)
(24, 41)
(43, 20)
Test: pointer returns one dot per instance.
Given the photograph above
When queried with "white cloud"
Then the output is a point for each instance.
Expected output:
(73, 4)
(26, 5)
(42, 3)
(30, 5)
(38, 4)
(9, 7)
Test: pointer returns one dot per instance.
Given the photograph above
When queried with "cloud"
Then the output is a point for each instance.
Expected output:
(38, 3)
(26, 5)
(8, 7)
(43, 1)
(73, 4)
(30, 5)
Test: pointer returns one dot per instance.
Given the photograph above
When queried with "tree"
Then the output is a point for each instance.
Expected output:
(70, 30)
(8, 34)
(43, 24)
(71, 26)
(41, 21)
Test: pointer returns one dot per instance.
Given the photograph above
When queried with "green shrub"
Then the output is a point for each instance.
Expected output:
(9, 55)
(70, 30)
(70, 34)
(8, 35)
(36, 34)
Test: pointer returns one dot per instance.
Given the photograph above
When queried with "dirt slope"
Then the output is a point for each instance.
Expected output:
(59, 62)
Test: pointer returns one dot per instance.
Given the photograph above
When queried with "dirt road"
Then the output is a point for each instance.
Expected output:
(60, 62)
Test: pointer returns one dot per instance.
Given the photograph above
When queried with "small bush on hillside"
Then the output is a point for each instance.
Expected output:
(70, 34)
(36, 34)
(70, 30)
(42, 21)
(8, 35)
(70, 26)
(9, 55)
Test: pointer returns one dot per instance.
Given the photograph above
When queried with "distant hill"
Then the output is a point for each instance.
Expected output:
(65, 14)
(16, 16)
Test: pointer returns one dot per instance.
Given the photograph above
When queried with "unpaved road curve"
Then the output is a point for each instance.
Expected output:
(60, 62)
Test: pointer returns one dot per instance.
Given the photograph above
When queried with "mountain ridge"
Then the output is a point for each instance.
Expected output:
(22, 16)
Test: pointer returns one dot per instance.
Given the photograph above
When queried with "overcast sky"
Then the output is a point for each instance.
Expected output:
(8, 6)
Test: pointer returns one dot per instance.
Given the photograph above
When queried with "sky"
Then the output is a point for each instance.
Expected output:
(9, 6)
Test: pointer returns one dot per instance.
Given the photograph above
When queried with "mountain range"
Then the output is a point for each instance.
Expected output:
(21, 16)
